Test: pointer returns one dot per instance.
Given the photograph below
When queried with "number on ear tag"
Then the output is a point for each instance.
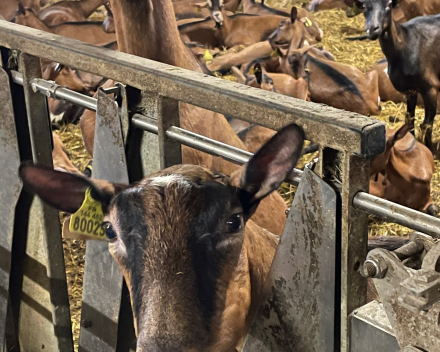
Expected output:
(308, 23)
(88, 219)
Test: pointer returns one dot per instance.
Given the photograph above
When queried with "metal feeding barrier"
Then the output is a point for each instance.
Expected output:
(318, 310)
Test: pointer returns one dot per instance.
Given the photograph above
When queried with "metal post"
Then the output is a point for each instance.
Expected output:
(168, 114)
(354, 240)
(44, 314)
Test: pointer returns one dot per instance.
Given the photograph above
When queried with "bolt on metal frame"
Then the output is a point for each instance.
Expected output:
(347, 142)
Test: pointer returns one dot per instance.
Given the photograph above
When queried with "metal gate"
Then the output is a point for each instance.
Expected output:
(34, 303)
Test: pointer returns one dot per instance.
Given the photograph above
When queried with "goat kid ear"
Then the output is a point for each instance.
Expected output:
(401, 132)
(293, 14)
(271, 165)
(21, 9)
(65, 191)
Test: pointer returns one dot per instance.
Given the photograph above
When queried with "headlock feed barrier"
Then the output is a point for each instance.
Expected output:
(327, 223)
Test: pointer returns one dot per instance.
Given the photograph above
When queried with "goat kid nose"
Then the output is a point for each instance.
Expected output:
(218, 17)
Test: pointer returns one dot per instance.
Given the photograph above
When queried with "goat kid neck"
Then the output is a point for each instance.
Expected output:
(149, 29)
(392, 40)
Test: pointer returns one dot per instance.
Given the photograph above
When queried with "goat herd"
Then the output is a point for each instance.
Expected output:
(195, 271)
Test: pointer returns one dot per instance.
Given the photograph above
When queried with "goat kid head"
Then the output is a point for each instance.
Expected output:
(376, 13)
(289, 32)
(294, 61)
(177, 236)
(379, 163)
(216, 7)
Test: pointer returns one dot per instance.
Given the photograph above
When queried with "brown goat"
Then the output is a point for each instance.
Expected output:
(89, 32)
(200, 31)
(242, 29)
(403, 172)
(339, 85)
(290, 32)
(143, 38)
(8, 8)
(259, 8)
(319, 5)
(194, 263)
(68, 11)
(416, 8)
(184, 9)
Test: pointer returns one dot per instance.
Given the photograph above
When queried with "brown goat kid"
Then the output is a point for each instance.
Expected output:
(88, 32)
(194, 263)
(403, 172)
(333, 83)
(259, 8)
(68, 11)
(242, 29)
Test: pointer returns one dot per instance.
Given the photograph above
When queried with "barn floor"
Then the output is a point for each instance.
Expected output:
(336, 27)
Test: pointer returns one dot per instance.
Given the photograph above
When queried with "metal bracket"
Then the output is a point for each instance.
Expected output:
(411, 296)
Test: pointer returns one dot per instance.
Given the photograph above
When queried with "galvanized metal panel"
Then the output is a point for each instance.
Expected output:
(299, 314)
(10, 186)
(353, 133)
(103, 280)
(370, 330)
(44, 312)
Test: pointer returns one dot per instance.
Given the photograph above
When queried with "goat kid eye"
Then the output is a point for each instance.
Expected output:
(109, 232)
(235, 223)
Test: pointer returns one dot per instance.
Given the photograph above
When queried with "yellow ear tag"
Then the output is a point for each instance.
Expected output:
(198, 9)
(88, 219)
(252, 70)
(208, 56)
(308, 23)
(274, 53)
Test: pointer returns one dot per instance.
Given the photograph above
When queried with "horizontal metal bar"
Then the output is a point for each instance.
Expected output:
(207, 145)
(337, 129)
(397, 213)
(381, 208)
(53, 90)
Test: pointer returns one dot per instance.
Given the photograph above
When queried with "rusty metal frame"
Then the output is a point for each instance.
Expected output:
(347, 139)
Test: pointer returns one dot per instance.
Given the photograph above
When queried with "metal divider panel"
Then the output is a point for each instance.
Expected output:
(371, 330)
(10, 187)
(103, 280)
(299, 314)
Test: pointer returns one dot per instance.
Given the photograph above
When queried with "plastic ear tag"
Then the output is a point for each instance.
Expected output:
(308, 23)
(208, 56)
(274, 53)
(88, 219)
(252, 70)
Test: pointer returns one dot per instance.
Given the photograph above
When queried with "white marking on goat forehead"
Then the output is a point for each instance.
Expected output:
(164, 181)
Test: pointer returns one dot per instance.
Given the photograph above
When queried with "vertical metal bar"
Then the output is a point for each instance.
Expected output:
(354, 240)
(10, 187)
(103, 282)
(168, 114)
(44, 314)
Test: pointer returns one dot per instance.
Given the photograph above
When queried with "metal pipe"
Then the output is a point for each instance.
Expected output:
(381, 208)
(53, 90)
(207, 145)
(397, 213)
